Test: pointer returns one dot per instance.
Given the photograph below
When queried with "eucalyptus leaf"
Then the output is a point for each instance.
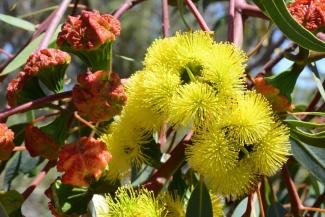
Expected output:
(17, 22)
(199, 204)
(311, 157)
(278, 12)
(22, 57)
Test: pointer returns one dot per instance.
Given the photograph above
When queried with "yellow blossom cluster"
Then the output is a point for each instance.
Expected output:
(190, 80)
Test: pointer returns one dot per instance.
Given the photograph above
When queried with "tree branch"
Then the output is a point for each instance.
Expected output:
(165, 18)
(38, 179)
(197, 15)
(33, 104)
(127, 5)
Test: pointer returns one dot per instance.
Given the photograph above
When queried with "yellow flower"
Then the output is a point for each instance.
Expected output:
(233, 183)
(134, 203)
(226, 68)
(124, 140)
(272, 151)
(196, 104)
(210, 153)
(149, 97)
(189, 49)
(173, 204)
(248, 120)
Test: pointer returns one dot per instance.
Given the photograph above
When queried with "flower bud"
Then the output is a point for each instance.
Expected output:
(99, 95)
(40, 144)
(6, 142)
(23, 89)
(83, 161)
(279, 102)
(309, 13)
(49, 65)
(90, 36)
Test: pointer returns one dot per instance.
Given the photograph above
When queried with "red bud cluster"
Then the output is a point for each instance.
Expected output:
(6, 142)
(83, 161)
(99, 95)
(309, 13)
(44, 59)
(88, 30)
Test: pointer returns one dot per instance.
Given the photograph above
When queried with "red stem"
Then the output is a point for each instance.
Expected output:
(38, 179)
(197, 15)
(295, 201)
(167, 169)
(251, 11)
(33, 104)
(127, 5)
(231, 20)
(53, 24)
(250, 204)
(321, 36)
(165, 18)
(19, 148)
(6, 53)
(236, 22)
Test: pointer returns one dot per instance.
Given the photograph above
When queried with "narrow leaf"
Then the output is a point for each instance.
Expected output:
(312, 158)
(278, 12)
(199, 204)
(276, 210)
(303, 124)
(17, 22)
(21, 58)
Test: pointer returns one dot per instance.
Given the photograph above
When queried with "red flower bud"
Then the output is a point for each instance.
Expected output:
(40, 144)
(83, 161)
(99, 96)
(309, 13)
(6, 142)
(49, 66)
(23, 89)
(88, 30)
(45, 59)
(279, 102)
(15, 87)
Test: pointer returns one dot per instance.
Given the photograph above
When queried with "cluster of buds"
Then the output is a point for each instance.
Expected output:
(90, 36)
(83, 161)
(99, 95)
(309, 13)
(6, 142)
(47, 65)
(40, 144)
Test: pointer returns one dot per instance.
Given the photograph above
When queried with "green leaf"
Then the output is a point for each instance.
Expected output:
(21, 162)
(286, 80)
(318, 80)
(70, 200)
(11, 201)
(17, 22)
(152, 151)
(58, 129)
(278, 12)
(312, 158)
(276, 210)
(199, 204)
(303, 124)
(12, 170)
(22, 57)
(316, 139)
